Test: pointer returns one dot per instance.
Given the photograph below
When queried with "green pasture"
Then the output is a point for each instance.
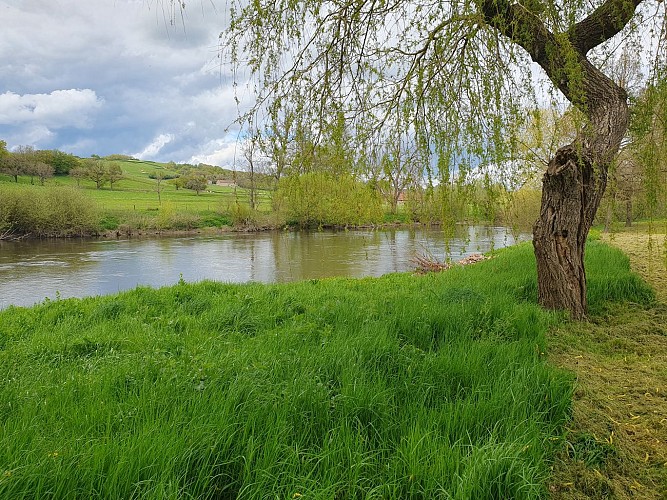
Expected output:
(400, 387)
(134, 203)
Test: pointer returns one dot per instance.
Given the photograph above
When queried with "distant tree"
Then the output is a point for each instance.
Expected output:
(18, 162)
(3, 151)
(12, 166)
(625, 185)
(43, 171)
(119, 157)
(158, 175)
(96, 171)
(179, 182)
(61, 162)
(251, 153)
(395, 165)
(277, 143)
(79, 173)
(197, 183)
(114, 173)
(542, 132)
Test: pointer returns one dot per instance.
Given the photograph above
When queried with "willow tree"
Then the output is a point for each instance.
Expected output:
(458, 73)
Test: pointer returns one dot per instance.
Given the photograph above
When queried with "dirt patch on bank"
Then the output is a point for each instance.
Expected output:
(616, 446)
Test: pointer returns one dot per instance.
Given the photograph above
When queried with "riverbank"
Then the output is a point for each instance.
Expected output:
(140, 202)
(399, 387)
(616, 443)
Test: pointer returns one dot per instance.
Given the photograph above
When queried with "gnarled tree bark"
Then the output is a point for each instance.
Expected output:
(576, 177)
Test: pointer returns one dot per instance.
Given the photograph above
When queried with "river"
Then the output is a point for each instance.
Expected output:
(31, 271)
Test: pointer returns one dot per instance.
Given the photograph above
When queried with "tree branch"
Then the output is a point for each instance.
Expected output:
(603, 23)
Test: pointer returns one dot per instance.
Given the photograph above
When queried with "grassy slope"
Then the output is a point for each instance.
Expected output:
(138, 191)
(400, 387)
(134, 199)
(617, 442)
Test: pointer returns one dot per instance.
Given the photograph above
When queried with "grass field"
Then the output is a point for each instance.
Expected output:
(617, 440)
(398, 387)
(138, 191)
(134, 203)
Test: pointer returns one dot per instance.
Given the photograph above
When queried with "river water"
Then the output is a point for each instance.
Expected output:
(31, 271)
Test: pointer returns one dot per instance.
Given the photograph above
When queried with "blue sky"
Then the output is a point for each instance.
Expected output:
(116, 76)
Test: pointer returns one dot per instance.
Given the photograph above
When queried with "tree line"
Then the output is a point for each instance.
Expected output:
(43, 164)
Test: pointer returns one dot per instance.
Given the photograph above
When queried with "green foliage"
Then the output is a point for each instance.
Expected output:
(322, 199)
(61, 162)
(215, 219)
(96, 171)
(13, 164)
(398, 387)
(241, 215)
(649, 129)
(196, 182)
(116, 157)
(109, 222)
(48, 211)
(114, 173)
(522, 209)
(162, 175)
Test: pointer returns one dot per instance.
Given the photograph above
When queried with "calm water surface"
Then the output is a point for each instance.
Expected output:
(31, 271)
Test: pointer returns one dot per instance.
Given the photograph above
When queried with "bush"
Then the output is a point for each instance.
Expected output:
(46, 211)
(215, 219)
(321, 199)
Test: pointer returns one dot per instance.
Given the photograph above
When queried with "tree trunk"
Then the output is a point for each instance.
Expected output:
(628, 211)
(609, 218)
(571, 194)
(577, 175)
(572, 189)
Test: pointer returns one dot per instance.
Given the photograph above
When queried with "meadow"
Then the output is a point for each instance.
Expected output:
(133, 205)
(405, 386)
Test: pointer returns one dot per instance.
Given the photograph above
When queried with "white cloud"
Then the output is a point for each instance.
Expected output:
(155, 146)
(150, 73)
(60, 108)
(221, 152)
(35, 134)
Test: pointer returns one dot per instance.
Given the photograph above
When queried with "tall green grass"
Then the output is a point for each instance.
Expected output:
(396, 387)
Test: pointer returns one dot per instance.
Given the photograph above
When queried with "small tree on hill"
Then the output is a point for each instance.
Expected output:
(159, 177)
(19, 162)
(61, 162)
(96, 172)
(197, 183)
(78, 173)
(43, 171)
(114, 174)
(13, 166)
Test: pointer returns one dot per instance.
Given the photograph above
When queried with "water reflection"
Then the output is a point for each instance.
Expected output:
(33, 270)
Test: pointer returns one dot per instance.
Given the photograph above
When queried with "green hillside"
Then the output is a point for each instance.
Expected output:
(134, 204)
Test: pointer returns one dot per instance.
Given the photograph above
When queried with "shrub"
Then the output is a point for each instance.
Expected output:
(47, 211)
(322, 199)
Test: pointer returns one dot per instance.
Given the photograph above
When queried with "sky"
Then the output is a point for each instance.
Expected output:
(116, 77)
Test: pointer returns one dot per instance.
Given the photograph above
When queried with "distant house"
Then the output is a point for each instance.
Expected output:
(402, 198)
(225, 183)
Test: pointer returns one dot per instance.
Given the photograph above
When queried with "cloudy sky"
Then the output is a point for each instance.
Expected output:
(115, 76)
